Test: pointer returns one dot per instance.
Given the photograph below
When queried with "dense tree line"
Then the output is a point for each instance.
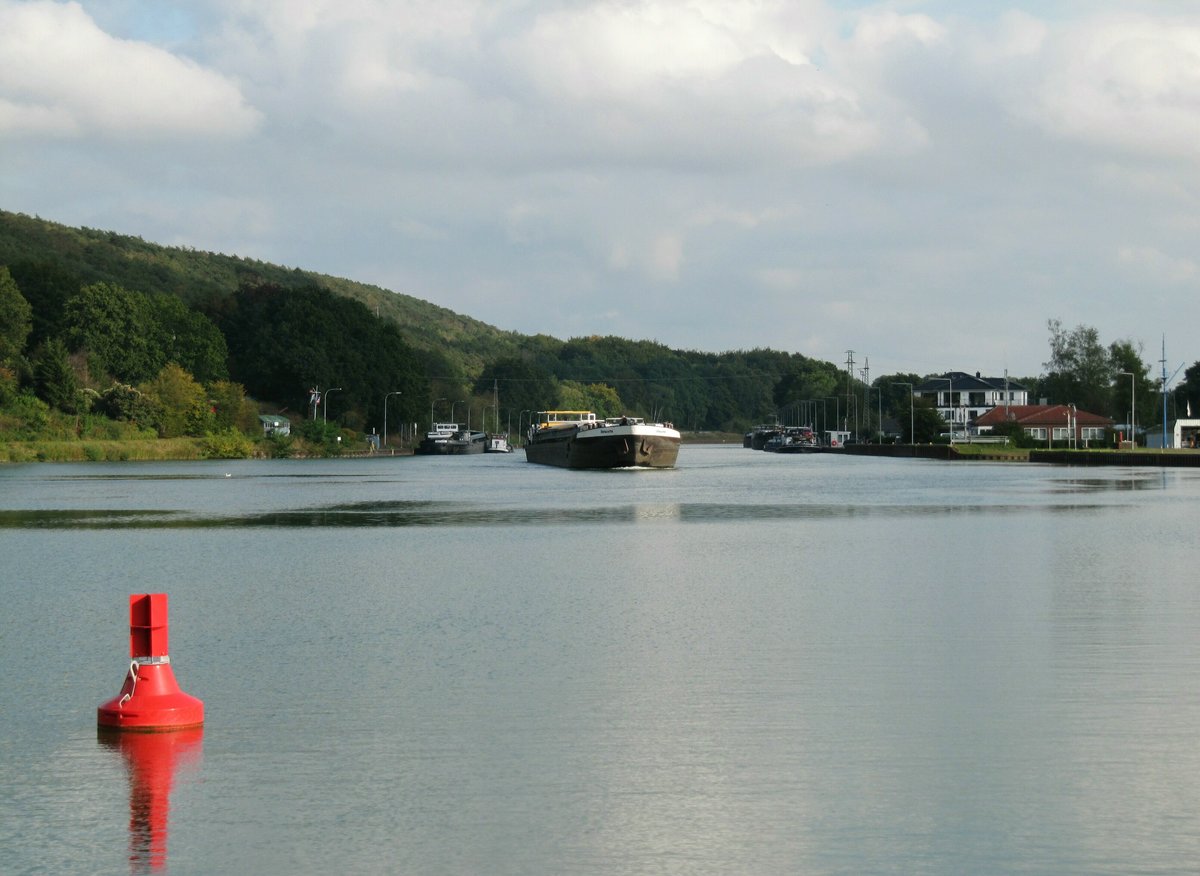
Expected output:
(183, 341)
(285, 342)
(150, 360)
(1111, 379)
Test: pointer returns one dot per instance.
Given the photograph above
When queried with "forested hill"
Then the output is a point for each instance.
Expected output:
(199, 277)
(116, 310)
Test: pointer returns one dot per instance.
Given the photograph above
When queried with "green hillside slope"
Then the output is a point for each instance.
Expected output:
(464, 344)
(285, 330)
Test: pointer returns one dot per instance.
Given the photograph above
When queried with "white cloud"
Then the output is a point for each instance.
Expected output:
(1147, 263)
(1016, 35)
(857, 167)
(878, 32)
(615, 50)
(64, 77)
(785, 280)
(666, 256)
(1131, 83)
(689, 82)
(657, 256)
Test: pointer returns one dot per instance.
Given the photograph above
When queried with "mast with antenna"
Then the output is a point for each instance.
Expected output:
(1166, 381)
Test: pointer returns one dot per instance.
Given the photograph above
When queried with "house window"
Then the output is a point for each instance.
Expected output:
(1061, 433)
(1036, 432)
(1093, 433)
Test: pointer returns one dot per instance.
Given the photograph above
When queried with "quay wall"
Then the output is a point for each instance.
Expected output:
(1145, 458)
(907, 451)
(1169, 459)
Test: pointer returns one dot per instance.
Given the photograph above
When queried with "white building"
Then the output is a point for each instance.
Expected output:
(962, 398)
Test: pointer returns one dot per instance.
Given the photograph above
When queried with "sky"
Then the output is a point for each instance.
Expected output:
(924, 183)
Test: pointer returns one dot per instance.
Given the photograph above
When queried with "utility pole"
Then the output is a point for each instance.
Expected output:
(1165, 383)
(866, 373)
(849, 377)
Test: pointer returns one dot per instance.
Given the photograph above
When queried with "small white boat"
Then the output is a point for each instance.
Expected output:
(497, 443)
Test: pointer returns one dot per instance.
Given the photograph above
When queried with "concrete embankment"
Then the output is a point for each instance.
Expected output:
(1159, 458)
(905, 451)
(1164, 459)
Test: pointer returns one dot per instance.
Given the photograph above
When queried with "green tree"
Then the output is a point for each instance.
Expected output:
(9, 385)
(54, 379)
(521, 385)
(1016, 434)
(183, 402)
(1187, 393)
(188, 338)
(122, 402)
(46, 285)
(597, 397)
(1080, 370)
(927, 426)
(231, 408)
(116, 328)
(1128, 396)
(17, 321)
(282, 342)
(805, 379)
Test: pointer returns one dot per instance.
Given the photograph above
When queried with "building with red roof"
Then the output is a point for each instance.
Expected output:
(1051, 423)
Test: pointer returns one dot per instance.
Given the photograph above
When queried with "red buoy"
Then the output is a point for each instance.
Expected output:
(150, 699)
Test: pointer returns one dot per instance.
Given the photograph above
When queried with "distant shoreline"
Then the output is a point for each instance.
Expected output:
(194, 449)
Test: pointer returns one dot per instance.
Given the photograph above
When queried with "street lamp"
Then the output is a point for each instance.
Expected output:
(452, 404)
(385, 401)
(431, 404)
(325, 403)
(950, 404)
(912, 438)
(1132, 410)
(837, 414)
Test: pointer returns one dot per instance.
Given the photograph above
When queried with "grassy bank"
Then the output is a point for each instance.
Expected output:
(222, 446)
(101, 451)
(711, 438)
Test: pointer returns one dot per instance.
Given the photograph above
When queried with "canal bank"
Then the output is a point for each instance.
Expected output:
(986, 453)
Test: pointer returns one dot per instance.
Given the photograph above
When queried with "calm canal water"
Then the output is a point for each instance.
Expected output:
(752, 664)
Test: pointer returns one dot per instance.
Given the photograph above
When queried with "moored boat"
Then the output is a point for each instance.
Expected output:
(576, 439)
(466, 441)
(800, 439)
(497, 444)
(760, 435)
(436, 440)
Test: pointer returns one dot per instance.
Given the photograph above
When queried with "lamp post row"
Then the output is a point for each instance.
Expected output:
(385, 404)
(1133, 410)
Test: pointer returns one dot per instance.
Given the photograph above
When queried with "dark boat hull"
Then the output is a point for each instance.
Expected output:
(456, 446)
(431, 448)
(468, 442)
(798, 448)
(591, 449)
